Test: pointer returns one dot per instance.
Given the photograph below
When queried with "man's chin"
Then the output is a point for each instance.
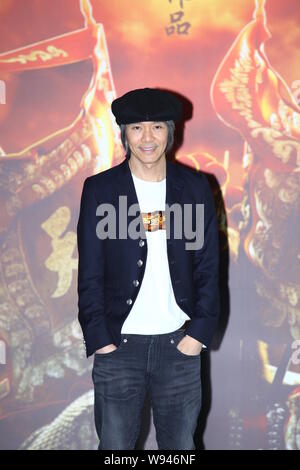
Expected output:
(151, 158)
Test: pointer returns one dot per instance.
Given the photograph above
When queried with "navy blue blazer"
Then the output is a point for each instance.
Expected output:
(108, 269)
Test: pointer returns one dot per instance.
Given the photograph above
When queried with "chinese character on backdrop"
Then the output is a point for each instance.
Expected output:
(177, 25)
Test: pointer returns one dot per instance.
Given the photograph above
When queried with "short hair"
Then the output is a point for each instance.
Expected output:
(171, 128)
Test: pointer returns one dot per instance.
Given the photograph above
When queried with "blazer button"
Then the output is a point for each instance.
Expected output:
(129, 301)
(141, 243)
(140, 263)
(135, 282)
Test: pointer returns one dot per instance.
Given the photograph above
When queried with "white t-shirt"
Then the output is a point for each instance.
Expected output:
(155, 310)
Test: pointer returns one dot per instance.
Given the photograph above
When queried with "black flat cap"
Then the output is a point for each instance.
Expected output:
(146, 104)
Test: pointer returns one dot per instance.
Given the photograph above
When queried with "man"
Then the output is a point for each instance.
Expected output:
(147, 302)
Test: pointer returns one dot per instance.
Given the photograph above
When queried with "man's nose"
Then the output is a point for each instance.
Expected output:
(147, 134)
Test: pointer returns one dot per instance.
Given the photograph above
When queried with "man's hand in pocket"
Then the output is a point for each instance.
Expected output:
(106, 349)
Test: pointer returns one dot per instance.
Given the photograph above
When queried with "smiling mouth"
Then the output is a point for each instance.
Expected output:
(147, 149)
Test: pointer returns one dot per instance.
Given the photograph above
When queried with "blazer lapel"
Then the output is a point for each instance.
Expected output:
(174, 188)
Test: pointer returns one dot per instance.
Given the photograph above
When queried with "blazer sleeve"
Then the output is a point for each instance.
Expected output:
(91, 265)
(206, 275)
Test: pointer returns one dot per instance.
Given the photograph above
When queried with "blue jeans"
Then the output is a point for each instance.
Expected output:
(121, 379)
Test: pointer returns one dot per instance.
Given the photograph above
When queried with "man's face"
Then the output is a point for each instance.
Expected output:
(147, 140)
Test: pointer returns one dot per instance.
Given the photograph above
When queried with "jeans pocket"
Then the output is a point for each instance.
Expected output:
(175, 341)
(111, 352)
